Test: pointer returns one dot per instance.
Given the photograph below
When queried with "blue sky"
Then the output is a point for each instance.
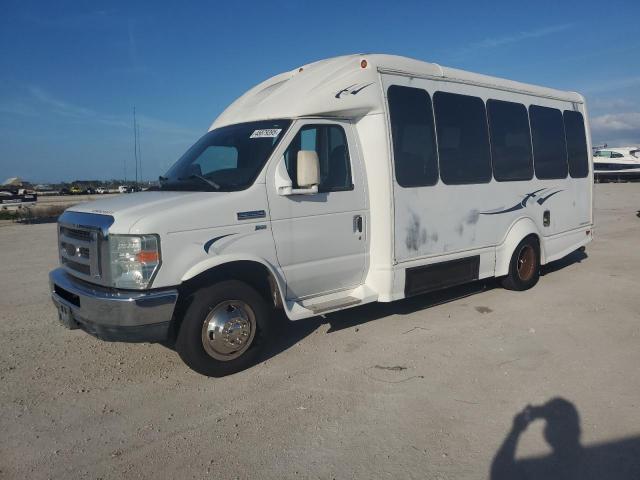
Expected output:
(70, 72)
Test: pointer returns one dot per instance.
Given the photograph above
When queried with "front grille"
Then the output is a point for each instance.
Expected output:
(79, 251)
(81, 245)
(78, 267)
(77, 234)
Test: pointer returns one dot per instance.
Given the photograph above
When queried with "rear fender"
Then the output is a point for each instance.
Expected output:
(521, 228)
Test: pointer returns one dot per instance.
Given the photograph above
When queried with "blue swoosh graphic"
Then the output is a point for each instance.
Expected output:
(208, 244)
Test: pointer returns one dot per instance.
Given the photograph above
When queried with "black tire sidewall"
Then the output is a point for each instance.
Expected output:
(189, 340)
(513, 280)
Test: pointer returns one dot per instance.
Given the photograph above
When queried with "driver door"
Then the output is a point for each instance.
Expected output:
(321, 238)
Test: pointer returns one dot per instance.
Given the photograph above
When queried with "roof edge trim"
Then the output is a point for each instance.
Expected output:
(445, 78)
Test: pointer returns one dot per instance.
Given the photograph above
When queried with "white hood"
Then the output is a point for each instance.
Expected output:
(166, 212)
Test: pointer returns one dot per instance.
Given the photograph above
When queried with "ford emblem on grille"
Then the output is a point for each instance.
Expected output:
(72, 250)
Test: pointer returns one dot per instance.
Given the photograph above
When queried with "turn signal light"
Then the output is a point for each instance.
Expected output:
(148, 256)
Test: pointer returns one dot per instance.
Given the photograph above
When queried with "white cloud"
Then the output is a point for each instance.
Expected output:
(59, 106)
(610, 104)
(616, 128)
(615, 84)
(617, 122)
(88, 116)
(518, 37)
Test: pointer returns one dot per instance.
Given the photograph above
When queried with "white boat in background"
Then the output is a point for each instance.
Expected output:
(617, 164)
(14, 199)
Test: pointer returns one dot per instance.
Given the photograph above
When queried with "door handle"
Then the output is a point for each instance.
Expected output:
(357, 223)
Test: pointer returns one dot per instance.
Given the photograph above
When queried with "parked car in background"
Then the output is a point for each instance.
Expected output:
(101, 190)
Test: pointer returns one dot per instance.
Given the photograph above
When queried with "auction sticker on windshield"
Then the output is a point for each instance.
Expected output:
(266, 133)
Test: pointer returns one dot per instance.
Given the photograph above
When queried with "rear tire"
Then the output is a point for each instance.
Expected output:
(524, 267)
(224, 329)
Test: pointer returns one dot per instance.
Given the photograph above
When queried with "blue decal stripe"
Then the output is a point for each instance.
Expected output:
(523, 203)
(208, 243)
(541, 200)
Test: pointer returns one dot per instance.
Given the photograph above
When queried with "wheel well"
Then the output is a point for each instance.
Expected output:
(533, 236)
(252, 273)
(536, 239)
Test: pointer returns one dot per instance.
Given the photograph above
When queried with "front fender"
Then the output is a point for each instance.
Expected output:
(219, 260)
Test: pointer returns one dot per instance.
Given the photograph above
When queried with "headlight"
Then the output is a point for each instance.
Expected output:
(134, 260)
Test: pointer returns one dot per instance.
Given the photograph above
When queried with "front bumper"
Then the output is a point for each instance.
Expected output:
(111, 314)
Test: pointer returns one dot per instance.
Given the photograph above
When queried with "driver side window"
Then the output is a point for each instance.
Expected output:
(330, 143)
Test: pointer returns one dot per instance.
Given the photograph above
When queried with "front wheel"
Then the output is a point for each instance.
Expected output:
(524, 268)
(224, 329)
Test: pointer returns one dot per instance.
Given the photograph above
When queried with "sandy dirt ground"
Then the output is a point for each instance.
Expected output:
(424, 388)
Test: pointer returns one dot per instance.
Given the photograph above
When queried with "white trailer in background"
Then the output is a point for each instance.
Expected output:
(346, 181)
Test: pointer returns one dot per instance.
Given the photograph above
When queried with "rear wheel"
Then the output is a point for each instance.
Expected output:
(224, 329)
(524, 268)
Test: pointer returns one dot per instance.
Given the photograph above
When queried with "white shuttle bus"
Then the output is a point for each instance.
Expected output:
(350, 180)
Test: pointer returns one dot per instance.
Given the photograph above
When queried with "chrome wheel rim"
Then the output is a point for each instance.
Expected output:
(526, 262)
(228, 330)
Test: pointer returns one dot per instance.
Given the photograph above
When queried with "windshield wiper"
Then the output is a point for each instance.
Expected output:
(204, 179)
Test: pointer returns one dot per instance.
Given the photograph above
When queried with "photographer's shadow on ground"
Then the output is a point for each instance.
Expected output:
(569, 460)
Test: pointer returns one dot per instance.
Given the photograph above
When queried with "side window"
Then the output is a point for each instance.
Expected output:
(510, 141)
(330, 143)
(616, 155)
(463, 139)
(216, 158)
(576, 144)
(549, 148)
(414, 144)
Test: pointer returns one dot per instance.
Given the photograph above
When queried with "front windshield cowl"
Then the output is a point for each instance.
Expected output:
(227, 158)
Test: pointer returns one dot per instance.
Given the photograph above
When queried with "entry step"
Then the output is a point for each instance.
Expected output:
(332, 304)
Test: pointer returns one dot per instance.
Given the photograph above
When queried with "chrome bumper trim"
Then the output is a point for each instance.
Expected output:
(96, 305)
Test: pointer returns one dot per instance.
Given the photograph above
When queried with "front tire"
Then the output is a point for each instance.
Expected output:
(524, 268)
(224, 329)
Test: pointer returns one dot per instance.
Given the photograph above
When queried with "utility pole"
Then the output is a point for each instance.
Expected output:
(140, 154)
(135, 144)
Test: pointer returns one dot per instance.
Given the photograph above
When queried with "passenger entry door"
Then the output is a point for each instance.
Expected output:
(321, 238)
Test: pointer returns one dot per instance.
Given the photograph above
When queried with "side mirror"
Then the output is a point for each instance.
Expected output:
(308, 167)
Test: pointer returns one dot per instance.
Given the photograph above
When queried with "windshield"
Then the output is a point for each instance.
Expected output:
(227, 158)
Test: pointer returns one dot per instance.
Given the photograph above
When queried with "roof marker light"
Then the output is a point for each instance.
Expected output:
(363, 64)
(300, 69)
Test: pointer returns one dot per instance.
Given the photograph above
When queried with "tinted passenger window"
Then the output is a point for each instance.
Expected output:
(330, 143)
(463, 140)
(576, 144)
(549, 149)
(414, 143)
(510, 141)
